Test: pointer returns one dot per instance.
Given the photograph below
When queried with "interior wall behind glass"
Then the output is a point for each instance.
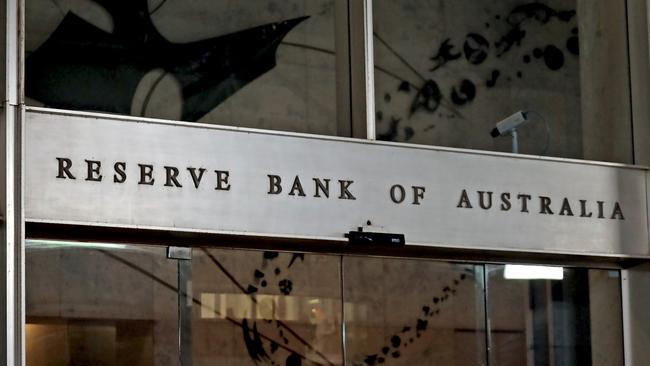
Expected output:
(263, 64)
(447, 71)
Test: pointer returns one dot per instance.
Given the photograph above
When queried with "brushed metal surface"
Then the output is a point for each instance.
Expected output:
(249, 156)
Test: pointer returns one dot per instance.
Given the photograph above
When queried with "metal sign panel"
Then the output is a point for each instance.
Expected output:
(125, 172)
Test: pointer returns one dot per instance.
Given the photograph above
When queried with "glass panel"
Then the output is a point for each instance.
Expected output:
(413, 312)
(266, 307)
(446, 71)
(100, 304)
(115, 304)
(575, 320)
(264, 63)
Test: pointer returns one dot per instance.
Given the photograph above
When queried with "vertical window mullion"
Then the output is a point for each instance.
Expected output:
(12, 186)
(638, 17)
(362, 70)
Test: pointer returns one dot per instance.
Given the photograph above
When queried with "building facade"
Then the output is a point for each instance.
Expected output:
(326, 182)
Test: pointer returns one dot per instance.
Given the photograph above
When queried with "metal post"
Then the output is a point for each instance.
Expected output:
(636, 318)
(343, 317)
(515, 141)
(185, 311)
(486, 310)
(183, 256)
(11, 203)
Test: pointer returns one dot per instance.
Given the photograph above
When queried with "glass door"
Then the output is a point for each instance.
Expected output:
(119, 304)
(266, 308)
(413, 312)
(115, 304)
(554, 316)
(100, 304)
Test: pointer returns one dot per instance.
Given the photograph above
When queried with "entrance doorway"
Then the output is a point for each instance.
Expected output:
(117, 304)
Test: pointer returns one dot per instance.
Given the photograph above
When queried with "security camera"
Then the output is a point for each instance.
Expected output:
(509, 124)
